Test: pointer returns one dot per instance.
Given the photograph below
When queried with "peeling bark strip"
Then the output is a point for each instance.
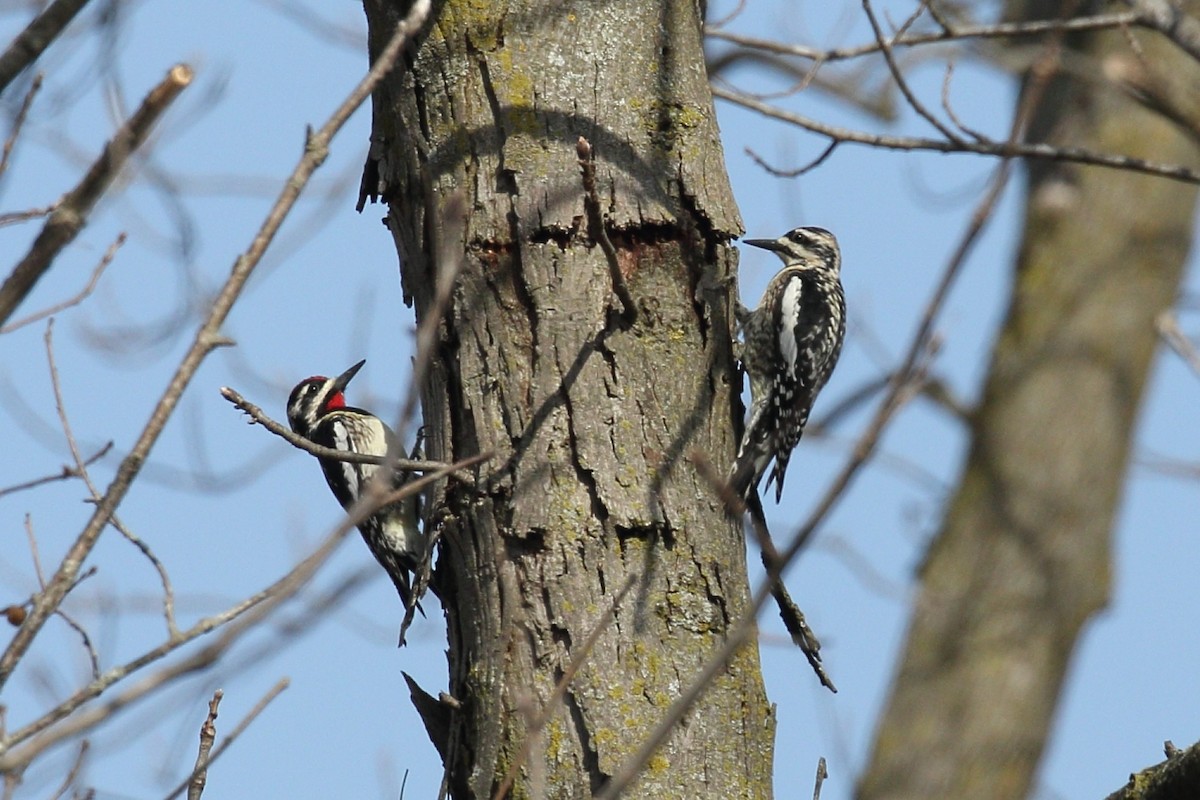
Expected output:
(590, 418)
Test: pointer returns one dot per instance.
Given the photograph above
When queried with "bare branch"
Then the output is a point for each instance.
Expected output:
(207, 338)
(93, 656)
(1175, 778)
(237, 731)
(1173, 335)
(1006, 149)
(68, 219)
(13, 217)
(73, 773)
(36, 37)
(81, 469)
(798, 171)
(107, 259)
(66, 473)
(793, 618)
(974, 134)
(1172, 467)
(208, 734)
(236, 621)
(948, 34)
(19, 122)
(257, 415)
(168, 592)
(822, 774)
(898, 76)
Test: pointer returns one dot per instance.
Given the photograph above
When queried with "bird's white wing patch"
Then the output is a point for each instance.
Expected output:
(789, 318)
(341, 441)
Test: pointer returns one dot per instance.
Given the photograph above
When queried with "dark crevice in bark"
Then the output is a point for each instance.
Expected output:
(610, 360)
(710, 291)
(505, 180)
(591, 762)
(582, 473)
(715, 597)
(554, 235)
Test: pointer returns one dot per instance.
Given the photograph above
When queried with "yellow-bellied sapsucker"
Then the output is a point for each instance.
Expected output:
(791, 345)
(317, 410)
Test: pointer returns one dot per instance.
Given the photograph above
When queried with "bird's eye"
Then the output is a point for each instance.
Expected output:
(312, 388)
(797, 237)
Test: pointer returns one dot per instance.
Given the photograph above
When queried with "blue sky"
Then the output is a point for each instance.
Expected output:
(228, 508)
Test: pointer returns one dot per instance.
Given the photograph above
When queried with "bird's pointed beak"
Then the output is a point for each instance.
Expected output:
(766, 244)
(343, 380)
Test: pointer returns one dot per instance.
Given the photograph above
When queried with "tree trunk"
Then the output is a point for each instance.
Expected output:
(591, 418)
(1022, 560)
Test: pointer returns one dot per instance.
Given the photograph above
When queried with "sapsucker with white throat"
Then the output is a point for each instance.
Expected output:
(317, 410)
(791, 344)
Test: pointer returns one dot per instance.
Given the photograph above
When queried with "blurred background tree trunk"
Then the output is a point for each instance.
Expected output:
(1022, 561)
(591, 418)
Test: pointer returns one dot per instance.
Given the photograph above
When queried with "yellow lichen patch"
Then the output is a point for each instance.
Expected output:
(604, 737)
(480, 19)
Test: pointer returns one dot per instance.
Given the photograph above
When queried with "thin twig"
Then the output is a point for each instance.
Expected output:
(105, 260)
(974, 134)
(537, 723)
(208, 734)
(72, 213)
(236, 622)
(89, 648)
(73, 773)
(596, 225)
(798, 171)
(66, 473)
(81, 468)
(994, 31)
(231, 737)
(822, 774)
(1168, 328)
(886, 49)
(257, 415)
(1006, 149)
(13, 217)
(163, 578)
(793, 618)
(33, 552)
(207, 338)
(19, 122)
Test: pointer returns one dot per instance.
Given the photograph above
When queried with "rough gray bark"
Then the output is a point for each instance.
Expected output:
(1177, 778)
(1023, 557)
(591, 418)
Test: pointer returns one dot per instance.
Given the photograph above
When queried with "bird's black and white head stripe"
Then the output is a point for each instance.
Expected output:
(315, 397)
(806, 248)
